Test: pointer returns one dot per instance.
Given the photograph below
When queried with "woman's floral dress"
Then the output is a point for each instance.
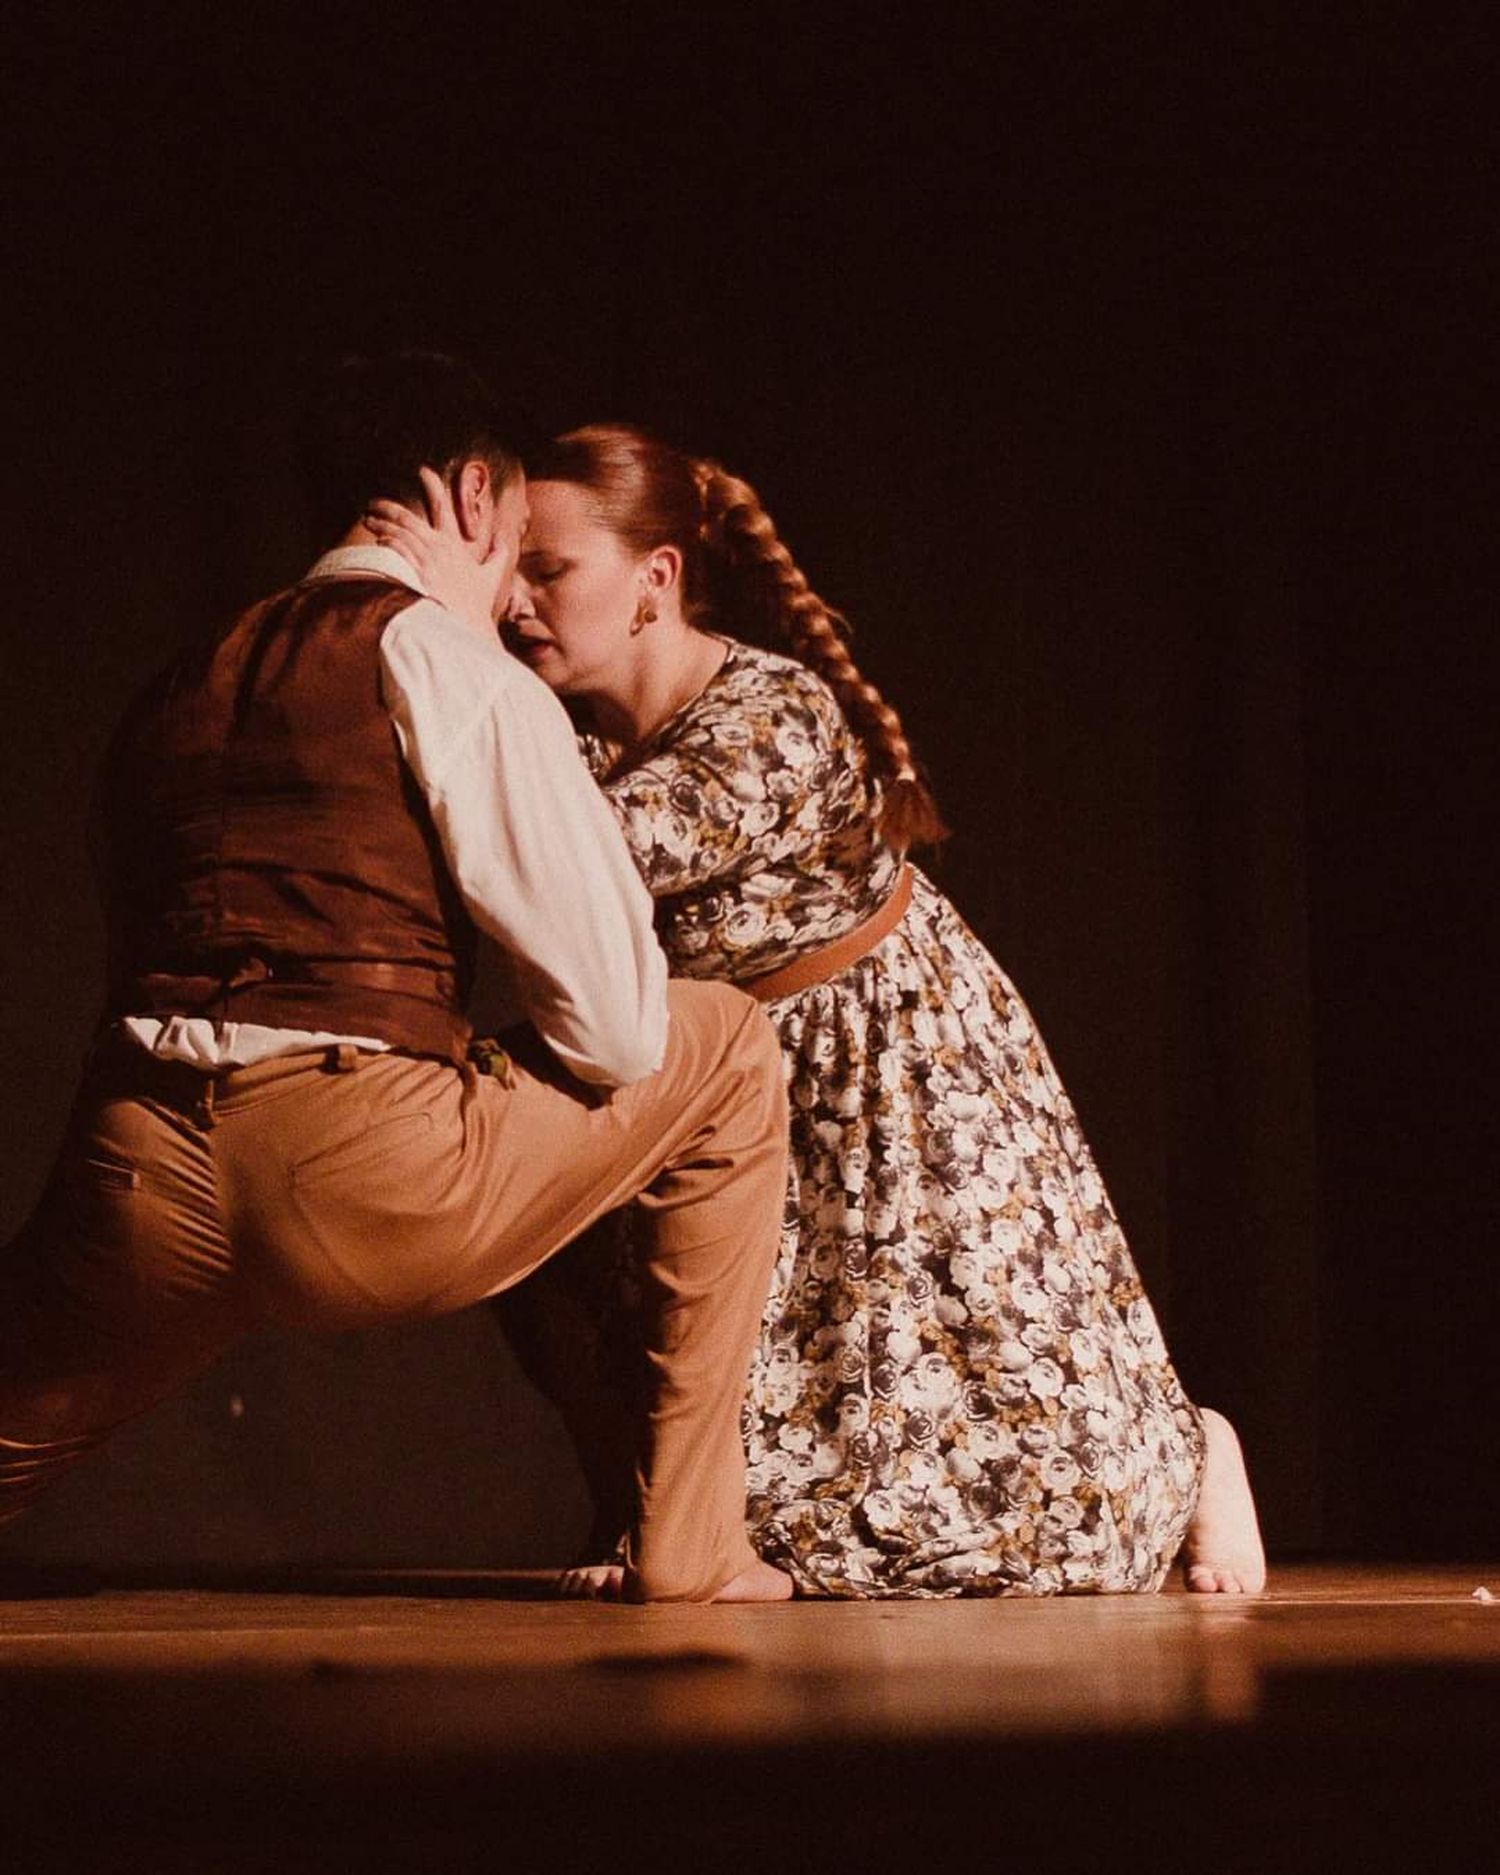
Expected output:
(960, 1387)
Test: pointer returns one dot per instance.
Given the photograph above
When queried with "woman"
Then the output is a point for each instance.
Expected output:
(960, 1386)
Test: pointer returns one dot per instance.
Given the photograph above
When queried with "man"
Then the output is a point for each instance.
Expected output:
(306, 825)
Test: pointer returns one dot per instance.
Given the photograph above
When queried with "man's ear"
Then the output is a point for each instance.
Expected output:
(474, 499)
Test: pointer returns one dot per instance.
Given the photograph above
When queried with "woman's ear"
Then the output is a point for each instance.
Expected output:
(663, 571)
(474, 499)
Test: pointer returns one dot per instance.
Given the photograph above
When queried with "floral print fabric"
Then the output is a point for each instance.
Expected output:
(960, 1386)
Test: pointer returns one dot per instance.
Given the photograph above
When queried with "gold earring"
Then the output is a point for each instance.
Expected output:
(645, 614)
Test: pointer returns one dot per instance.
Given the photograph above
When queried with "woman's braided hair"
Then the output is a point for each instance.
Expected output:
(738, 576)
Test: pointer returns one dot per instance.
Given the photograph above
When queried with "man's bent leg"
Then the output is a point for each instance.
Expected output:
(408, 1188)
(702, 1145)
(713, 1221)
(116, 1292)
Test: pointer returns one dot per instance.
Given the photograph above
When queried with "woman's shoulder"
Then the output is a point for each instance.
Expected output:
(752, 673)
(767, 709)
(754, 663)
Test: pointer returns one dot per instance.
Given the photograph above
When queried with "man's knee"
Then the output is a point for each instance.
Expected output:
(725, 1019)
(732, 1044)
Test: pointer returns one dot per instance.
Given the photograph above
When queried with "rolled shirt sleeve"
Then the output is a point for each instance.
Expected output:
(533, 847)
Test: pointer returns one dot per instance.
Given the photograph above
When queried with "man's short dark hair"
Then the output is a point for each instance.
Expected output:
(373, 423)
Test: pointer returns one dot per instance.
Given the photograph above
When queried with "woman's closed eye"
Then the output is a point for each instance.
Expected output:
(539, 569)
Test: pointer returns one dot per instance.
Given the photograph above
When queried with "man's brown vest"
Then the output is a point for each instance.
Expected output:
(270, 857)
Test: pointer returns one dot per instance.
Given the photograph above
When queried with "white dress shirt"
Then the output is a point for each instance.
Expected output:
(531, 843)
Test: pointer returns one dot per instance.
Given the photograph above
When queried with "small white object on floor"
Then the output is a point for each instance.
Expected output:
(1481, 1595)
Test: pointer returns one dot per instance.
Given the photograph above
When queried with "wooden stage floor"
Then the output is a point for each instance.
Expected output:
(1350, 1715)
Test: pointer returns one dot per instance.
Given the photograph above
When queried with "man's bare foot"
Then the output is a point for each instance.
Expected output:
(759, 1583)
(605, 1582)
(1222, 1552)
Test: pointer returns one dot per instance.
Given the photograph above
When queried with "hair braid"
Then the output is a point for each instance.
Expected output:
(755, 582)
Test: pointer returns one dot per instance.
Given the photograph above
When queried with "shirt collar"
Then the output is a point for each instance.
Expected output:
(367, 562)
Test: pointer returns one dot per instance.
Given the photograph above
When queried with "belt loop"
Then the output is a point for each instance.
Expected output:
(486, 1056)
(342, 1058)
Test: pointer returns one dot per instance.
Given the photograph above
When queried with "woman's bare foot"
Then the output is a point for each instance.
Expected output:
(605, 1582)
(1222, 1552)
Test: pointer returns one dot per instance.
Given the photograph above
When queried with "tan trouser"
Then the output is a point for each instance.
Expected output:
(343, 1188)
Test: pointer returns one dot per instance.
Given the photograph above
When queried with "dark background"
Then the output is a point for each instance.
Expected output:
(1118, 371)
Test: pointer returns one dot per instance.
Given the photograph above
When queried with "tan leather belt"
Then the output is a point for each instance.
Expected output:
(819, 965)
